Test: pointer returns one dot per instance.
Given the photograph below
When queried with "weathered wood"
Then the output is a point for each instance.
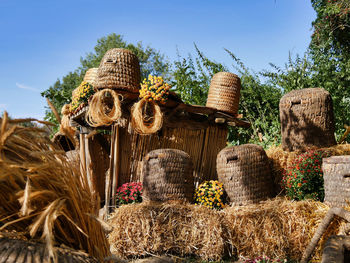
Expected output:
(116, 163)
(109, 176)
(332, 212)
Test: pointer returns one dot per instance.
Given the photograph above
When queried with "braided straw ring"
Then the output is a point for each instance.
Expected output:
(143, 123)
(100, 113)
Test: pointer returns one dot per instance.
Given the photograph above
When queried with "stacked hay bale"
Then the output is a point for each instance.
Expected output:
(278, 228)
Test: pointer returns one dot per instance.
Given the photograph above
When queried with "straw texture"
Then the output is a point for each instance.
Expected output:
(19, 251)
(307, 119)
(245, 172)
(104, 108)
(224, 92)
(277, 228)
(167, 175)
(336, 172)
(43, 196)
(119, 69)
(159, 228)
(146, 117)
(91, 76)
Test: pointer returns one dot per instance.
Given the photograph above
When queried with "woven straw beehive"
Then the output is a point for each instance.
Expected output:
(307, 119)
(167, 175)
(336, 172)
(224, 92)
(13, 250)
(91, 76)
(119, 69)
(245, 173)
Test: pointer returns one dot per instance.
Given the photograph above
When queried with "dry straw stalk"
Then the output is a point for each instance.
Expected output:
(43, 196)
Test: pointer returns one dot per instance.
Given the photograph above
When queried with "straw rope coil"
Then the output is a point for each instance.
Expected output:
(245, 172)
(91, 76)
(119, 69)
(307, 119)
(167, 175)
(224, 92)
(146, 117)
(104, 108)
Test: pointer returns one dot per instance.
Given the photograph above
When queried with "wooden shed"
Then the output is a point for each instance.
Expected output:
(113, 160)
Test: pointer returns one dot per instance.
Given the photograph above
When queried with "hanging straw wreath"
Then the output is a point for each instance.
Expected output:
(65, 123)
(146, 116)
(104, 108)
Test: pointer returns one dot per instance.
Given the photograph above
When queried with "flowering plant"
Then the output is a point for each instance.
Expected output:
(129, 193)
(210, 194)
(82, 95)
(154, 88)
(264, 259)
(304, 178)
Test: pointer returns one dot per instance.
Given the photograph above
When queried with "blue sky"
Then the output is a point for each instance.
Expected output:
(42, 40)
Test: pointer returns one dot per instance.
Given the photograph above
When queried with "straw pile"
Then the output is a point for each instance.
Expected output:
(42, 196)
(146, 117)
(158, 228)
(281, 159)
(277, 228)
(104, 108)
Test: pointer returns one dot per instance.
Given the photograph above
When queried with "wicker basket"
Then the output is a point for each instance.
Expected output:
(307, 119)
(119, 69)
(336, 172)
(13, 250)
(91, 76)
(245, 173)
(167, 174)
(224, 92)
(336, 250)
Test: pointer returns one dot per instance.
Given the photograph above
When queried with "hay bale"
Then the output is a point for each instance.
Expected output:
(245, 172)
(155, 228)
(281, 160)
(277, 228)
(307, 119)
(43, 196)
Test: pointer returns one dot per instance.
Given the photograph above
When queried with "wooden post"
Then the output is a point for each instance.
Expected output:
(109, 176)
(116, 165)
(82, 153)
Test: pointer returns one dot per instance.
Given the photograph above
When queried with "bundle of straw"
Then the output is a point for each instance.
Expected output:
(44, 197)
(277, 228)
(158, 228)
(146, 117)
(104, 108)
(65, 127)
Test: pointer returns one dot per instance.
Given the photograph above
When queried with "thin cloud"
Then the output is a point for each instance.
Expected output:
(21, 86)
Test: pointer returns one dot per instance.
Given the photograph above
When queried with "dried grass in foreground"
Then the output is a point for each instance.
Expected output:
(278, 228)
(42, 196)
